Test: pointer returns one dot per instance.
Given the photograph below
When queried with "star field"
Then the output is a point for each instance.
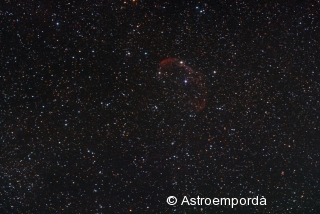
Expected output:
(93, 120)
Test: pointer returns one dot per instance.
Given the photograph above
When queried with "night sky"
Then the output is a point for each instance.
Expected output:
(111, 107)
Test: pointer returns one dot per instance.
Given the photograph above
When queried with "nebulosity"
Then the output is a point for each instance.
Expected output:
(99, 114)
(183, 87)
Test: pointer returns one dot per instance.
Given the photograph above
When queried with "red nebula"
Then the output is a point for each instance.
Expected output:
(168, 61)
(184, 87)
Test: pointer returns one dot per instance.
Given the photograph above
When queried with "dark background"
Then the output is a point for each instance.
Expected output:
(86, 127)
